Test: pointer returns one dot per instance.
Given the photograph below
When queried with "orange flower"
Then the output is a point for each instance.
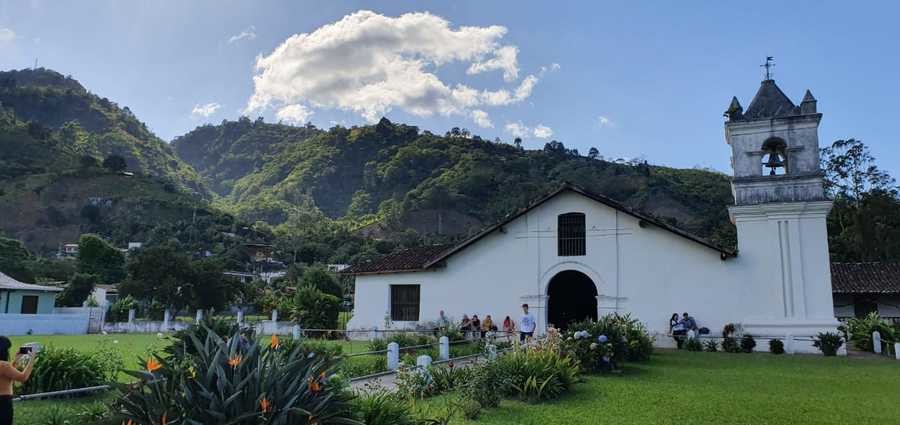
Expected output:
(274, 343)
(314, 386)
(312, 420)
(130, 422)
(265, 406)
(234, 361)
(153, 365)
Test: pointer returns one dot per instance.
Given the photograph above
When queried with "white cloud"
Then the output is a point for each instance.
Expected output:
(206, 110)
(293, 114)
(504, 59)
(517, 129)
(543, 132)
(7, 35)
(482, 118)
(368, 64)
(604, 122)
(247, 34)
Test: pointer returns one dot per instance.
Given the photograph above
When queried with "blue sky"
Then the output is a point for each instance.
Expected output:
(660, 74)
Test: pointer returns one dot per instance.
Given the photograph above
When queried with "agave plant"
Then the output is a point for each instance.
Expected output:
(236, 381)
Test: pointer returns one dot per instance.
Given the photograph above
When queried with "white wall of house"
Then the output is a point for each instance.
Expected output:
(43, 324)
(646, 271)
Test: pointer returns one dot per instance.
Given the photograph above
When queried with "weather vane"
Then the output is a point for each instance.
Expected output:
(770, 63)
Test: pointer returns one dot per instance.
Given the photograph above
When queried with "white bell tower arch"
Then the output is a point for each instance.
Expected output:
(780, 213)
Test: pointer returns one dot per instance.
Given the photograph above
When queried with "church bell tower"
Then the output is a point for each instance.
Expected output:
(780, 211)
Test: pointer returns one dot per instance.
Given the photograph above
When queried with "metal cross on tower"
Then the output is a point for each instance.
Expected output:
(770, 63)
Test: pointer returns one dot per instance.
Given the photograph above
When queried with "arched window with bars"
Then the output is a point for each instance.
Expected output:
(571, 234)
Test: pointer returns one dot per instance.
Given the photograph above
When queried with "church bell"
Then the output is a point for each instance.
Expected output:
(774, 162)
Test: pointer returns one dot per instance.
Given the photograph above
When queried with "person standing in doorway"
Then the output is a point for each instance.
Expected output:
(526, 324)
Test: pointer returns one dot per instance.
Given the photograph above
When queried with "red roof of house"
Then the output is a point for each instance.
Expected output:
(412, 259)
(865, 278)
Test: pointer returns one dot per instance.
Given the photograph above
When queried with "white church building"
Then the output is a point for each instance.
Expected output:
(574, 254)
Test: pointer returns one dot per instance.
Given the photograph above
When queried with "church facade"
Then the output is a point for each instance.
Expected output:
(573, 254)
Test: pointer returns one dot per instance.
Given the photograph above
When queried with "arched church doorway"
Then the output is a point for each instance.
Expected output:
(571, 297)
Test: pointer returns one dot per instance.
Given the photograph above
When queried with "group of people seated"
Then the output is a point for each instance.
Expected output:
(475, 327)
(679, 327)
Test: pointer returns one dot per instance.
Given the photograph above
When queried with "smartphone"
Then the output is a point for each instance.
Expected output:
(25, 350)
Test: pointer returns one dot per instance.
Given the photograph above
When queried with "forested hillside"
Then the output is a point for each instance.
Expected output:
(65, 118)
(75, 163)
(388, 178)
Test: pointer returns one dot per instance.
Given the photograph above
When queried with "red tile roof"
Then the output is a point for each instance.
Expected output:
(865, 278)
(408, 260)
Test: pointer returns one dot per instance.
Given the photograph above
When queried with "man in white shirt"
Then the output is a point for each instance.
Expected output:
(527, 324)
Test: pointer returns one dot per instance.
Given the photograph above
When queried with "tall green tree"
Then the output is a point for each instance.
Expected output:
(864, 224)
(322, 280)
(14, 260)
(98, 257)
(159, 274)
(79, 289)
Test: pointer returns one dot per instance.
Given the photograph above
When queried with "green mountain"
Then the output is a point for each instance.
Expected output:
(385, 179)
(84, 125)
(54, 135)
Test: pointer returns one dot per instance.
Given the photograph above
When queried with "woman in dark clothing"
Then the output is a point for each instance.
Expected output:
(8, 375)
(476, 325)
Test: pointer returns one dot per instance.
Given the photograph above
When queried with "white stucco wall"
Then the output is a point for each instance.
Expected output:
(646, 271)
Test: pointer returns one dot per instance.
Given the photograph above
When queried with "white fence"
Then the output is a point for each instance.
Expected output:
(73, 323)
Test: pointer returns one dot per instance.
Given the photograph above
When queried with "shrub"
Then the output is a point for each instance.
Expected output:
(484, 383)
(748, 343)
(693, 344)
(828, 343)
(230, 381)
(65, 368)
(354, 367)
(861, 329)
(183, 345)
(776, 346)
(414, 382)
(315, 309)
(730, 345)
(710, 346)
(448, 378)
(470, 408)
(611, 339)
(378, 344)
(535, 375)
(381, 407)
(118, 312)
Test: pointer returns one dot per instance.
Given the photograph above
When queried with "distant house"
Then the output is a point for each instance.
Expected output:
(24, 298)
(863, 288)
(70, 250)
(259, 252)
(242, 277)
(134, 245)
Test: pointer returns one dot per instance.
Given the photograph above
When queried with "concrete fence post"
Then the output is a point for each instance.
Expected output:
(876, 342)
(131, 314)
(897, 350)
(444, 348)
(842, 350)
(198, 317)
(423, 361)
(295, 332)
(789, 344)
(491, 351)
(274, 316)
(167, 316)
(393, 356)
(240, 317)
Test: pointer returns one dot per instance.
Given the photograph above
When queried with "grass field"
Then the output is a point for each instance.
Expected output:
(718, 388)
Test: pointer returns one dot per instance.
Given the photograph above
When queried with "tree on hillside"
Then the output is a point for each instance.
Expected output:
(864, 224)
(98, 257)
(320, 279)
(79, 289)
(209, 288)
(14, 260)
(518, 142)
(593, 153)
(115, 163)
(159, 274)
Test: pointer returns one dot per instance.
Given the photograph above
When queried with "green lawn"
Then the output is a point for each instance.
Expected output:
(132, 347)
(719, 388)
